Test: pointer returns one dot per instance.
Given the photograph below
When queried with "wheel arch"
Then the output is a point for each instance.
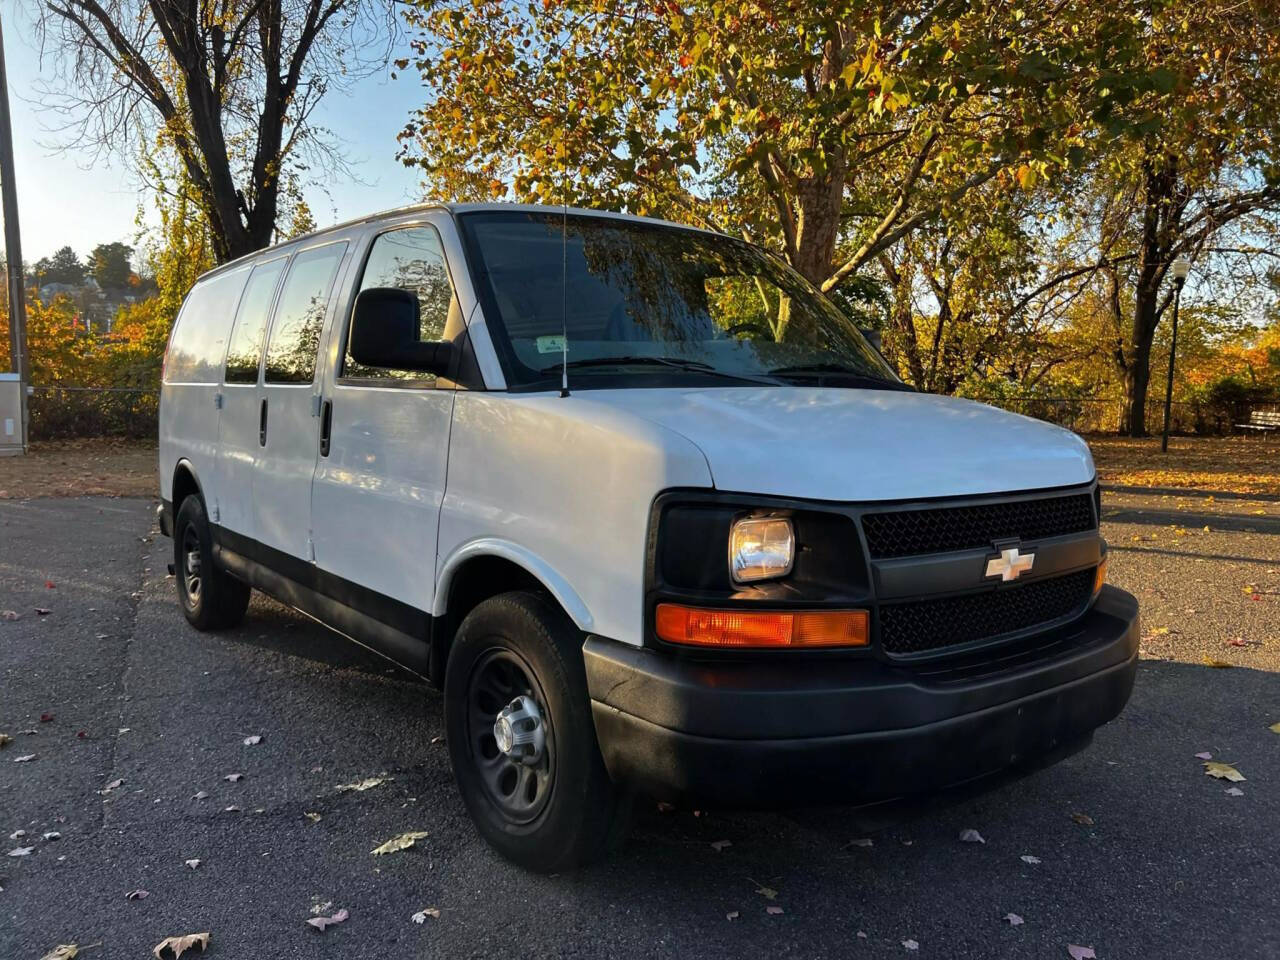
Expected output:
(486, 568)
(185, 483)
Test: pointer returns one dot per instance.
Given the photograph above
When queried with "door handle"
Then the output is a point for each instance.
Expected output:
(326, 423)
(262, 424)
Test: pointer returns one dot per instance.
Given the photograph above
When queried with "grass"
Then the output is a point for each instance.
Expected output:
(1243, 465)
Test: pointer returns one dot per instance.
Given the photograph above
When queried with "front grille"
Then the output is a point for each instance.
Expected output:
(921, 626)
(906, 533)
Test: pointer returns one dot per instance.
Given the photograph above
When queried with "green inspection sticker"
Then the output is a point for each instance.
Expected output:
(551, 344)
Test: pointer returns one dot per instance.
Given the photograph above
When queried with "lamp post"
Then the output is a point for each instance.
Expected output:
(1180, 268)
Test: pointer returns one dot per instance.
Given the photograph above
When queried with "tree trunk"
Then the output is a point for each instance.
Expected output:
(1159, 186)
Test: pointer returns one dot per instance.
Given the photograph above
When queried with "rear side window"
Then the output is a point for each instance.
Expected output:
(200, 337)
(409, 259)
(251, 322)
(295, 332)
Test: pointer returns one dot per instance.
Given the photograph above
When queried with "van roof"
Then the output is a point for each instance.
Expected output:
(453, 208)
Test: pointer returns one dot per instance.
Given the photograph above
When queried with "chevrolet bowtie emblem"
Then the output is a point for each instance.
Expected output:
(1010, 564)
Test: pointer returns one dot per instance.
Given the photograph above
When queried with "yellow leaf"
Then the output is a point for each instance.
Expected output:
(177, 945)
(1159, 631)
(1223, 771)
(1247, 589)
(5, 740)
(63, 951)
(1274, 728)
(402, 842)
(1216, 664)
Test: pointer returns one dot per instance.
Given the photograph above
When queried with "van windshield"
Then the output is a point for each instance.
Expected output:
(655, 305)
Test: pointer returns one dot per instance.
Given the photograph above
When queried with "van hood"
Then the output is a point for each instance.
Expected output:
(826, 443)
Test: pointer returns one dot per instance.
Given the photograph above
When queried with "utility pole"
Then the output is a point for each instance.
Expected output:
(18, 359)
(1180, 268)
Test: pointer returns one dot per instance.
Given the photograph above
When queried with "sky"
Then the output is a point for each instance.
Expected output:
(67, 198)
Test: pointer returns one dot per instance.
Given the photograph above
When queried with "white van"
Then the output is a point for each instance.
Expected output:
(647, 507)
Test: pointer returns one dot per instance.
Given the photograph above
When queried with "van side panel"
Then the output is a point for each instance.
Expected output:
(193, 371)
(570, 481)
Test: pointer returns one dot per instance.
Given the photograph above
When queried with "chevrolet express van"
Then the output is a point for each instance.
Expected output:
(646, 506)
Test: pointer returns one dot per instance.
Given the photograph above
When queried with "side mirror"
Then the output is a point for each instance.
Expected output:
(384, 333)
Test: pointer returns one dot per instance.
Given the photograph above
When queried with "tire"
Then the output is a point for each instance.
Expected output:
(561, 811)
(211, 599)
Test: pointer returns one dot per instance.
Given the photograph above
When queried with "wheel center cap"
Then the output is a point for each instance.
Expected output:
(519, 732)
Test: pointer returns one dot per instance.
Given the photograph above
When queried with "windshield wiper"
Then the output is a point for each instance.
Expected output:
(840, 370)
(676, 362)
(679, 363)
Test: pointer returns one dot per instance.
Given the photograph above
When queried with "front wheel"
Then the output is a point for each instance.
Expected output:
(211, 598)
(521, 738)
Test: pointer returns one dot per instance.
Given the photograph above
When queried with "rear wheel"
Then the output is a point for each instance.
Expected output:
(211, 599)
(521, 738)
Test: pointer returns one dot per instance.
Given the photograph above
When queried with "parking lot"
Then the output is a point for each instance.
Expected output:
(134, 723)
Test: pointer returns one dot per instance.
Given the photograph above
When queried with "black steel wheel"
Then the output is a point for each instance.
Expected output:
(521, 738)
(211, 598)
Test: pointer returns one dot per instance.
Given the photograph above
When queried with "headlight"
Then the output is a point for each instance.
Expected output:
(761, 548)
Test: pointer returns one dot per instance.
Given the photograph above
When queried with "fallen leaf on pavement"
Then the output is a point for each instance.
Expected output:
(51, 835)
(178, 945)
(21, 851)
(421, 915)
(321, 922)
(720, 845)
(1012, 919)
(1274, 728)
(231, 809)
(113, 785)
(1083, 819)
(1223, 771)
(192, 863)
(971, 836)
(137, 895)
(767, 892)
(63, 951)
(10, 615)
(313, 817)
(1209, 661)
(17, 835)
(5, 739)
(360, 786)
(1081, 953)
(732, 915)
(200, 796)
(1234, 792)
(49, 584)
(861, 842)
(1204, 755)
(402, 842)
(253, 740)
(234, 777)
(1028, 858)
(910, 945)
(46, 717)
(773, 911)
(25, 758)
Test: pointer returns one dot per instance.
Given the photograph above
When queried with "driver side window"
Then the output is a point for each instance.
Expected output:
(411, 258)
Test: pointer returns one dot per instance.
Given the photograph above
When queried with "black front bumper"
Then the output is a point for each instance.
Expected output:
(772, 731)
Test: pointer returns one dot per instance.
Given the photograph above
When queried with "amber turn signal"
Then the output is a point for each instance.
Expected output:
(1100, 577)
(743, 629)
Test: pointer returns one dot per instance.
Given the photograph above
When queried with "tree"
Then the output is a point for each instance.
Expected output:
(830, 131)
(63, 267)
(109, 264)
(1194, 175)
(230, 87)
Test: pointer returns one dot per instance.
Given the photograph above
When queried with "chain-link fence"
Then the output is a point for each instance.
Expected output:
(60, 413)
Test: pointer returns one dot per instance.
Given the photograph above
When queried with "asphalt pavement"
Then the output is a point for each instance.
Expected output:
(1127, 848)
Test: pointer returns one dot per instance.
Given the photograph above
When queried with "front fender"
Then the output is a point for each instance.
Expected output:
(522, 557)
